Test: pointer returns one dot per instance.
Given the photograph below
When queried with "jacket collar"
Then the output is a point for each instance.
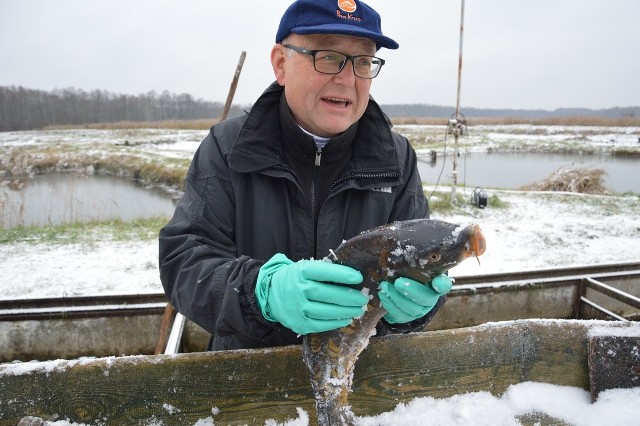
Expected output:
(301, 148)
(259, 143)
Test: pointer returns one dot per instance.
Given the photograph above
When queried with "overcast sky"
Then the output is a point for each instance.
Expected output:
(517, 54)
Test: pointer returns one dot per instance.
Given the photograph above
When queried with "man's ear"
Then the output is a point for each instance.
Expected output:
(278, 58)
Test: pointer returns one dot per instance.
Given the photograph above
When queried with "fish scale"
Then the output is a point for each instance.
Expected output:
(419, 249)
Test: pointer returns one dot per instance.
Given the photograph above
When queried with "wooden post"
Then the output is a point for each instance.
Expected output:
(581, 291)
(167, 318)
(232, 89)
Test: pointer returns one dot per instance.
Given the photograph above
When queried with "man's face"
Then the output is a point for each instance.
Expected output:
(322, 104)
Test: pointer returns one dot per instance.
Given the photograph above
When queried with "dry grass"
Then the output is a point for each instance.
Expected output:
(205, 124)
(425, 121)
(551, 121)
(201, 124)
(582, 180)
(23, 163)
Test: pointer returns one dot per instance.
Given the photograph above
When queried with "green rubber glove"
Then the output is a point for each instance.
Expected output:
(407, 300)
(301, 295)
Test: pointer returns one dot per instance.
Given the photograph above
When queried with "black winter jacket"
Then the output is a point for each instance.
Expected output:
(253, 190)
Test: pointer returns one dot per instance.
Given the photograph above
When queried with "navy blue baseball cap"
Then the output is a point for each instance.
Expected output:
(345, 17)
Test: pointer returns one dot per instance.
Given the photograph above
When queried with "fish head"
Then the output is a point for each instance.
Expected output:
(425, 248)
(418, 249)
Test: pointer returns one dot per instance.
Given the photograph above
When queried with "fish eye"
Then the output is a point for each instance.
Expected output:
(434, 257)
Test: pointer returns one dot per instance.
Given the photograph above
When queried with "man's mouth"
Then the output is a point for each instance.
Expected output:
(339, 102)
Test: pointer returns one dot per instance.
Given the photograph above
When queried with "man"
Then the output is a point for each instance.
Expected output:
(313, 163)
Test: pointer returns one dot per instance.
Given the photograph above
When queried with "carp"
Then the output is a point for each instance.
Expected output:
(419, 249)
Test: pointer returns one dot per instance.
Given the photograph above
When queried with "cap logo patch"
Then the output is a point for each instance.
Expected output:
(342, 17)
(348, 6)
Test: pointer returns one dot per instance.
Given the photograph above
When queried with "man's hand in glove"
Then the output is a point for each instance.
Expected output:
(406, 300)
(309, 296)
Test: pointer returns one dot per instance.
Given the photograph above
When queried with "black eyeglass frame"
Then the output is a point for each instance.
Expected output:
(348, 58)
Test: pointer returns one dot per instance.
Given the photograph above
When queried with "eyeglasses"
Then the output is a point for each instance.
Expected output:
(332, 62)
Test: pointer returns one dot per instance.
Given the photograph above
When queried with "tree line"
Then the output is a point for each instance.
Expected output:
(26, 109)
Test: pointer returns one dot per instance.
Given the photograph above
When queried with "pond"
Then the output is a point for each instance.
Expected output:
(512, 170)
(66, 198)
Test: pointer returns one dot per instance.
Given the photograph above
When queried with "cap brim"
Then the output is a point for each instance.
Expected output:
(349, 30)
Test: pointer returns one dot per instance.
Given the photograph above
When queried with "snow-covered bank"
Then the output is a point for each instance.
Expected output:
(546, 230)
(529, 137)
(533, 231)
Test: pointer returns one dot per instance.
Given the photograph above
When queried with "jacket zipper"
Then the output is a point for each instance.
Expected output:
(364, 176)
(314, 175)
(313, 182)
(290, 170)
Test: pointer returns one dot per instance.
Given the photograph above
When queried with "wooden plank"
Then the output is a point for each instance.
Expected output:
(438, 364)
(597, 271)
(172, 390)
(614, 293)
(73, 338)
(467, 307)
(614, 363)
(557, 352)
(249, 387)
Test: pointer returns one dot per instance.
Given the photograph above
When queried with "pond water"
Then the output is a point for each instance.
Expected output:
(512, 170)
(67, 198)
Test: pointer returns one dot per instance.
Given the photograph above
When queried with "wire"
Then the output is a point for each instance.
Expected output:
(444, 161)
(465, 134)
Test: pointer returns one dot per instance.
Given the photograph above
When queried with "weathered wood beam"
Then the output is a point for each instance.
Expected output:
(249, 387)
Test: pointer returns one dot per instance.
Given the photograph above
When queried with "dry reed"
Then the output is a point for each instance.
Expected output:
(204, 124)
(584, 180)
(200, 124)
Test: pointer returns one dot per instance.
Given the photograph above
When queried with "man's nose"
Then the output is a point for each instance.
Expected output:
(347, 75)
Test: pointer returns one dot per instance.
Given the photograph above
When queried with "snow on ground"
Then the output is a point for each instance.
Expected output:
(65, 270)
(535, 230)
(528, 137)
(543, 230)
(89, 137)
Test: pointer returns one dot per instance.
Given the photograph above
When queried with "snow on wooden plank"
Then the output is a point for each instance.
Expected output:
(251, 386)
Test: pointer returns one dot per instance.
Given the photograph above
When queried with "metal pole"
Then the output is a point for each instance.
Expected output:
(455, 124)
(232, 89)
(460, 60)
